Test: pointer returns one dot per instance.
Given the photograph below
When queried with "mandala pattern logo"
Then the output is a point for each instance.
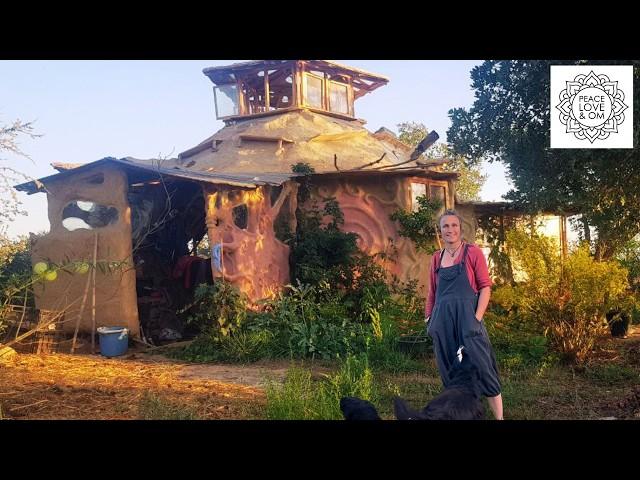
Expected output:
(592, 107)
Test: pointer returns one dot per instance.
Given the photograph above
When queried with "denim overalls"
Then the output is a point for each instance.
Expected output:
(453, 323)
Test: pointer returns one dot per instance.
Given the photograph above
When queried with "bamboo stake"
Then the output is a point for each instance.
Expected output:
(93, 300)
(84, 301)
(24, 311)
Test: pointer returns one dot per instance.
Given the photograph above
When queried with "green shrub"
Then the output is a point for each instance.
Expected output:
(305, 326)
(322, 252)
(219, 308)
(237, 347)
(15, 274)
(565, 300)
(629, 258)
(205, 348)
(420, 225)
(518, 344)
(611, 374)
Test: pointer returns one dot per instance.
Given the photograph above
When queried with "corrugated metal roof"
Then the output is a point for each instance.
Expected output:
(242, 180)
(409, 172)
(489, 207)
(245, 180)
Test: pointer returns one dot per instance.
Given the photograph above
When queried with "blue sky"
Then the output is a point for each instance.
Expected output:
(87, 110)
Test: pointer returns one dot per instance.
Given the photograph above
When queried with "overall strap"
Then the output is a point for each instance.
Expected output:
(464, 255)
(440, 260)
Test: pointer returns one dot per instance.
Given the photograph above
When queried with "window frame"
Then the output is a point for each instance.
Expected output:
(215, 100)
(305, 91)
(346, 86)
(429, 183)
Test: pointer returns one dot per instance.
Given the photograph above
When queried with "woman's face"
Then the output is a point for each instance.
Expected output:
(450, 228)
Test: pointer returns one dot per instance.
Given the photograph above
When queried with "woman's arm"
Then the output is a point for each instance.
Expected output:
(483, 282)
(483, 302)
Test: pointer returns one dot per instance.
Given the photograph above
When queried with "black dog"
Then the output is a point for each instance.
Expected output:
(354, 408)
(459, 401)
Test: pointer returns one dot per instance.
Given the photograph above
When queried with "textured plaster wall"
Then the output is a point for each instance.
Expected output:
(367, 205)
(253, 258)
(116, 303)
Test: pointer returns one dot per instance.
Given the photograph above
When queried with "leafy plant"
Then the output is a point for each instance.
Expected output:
(565, 299)
(629, 258)
(420, 225)
(219, 308)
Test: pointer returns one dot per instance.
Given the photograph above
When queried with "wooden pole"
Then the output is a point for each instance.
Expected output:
(84, 300)
(222, 254)
(93, 300)
(24, 311)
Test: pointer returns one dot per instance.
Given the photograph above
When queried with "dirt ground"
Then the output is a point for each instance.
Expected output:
(140, 385)
(62, 386)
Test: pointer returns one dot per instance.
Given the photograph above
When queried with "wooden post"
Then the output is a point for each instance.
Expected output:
(24, 311)
(241, 98)
(222, 254)
(266, 90)
(300, 87)
(350, 102)
(563, 235)
(325, 92)
(93, 300)
(84, 300)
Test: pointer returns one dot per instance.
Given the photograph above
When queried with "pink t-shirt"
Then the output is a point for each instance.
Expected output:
(476, 267)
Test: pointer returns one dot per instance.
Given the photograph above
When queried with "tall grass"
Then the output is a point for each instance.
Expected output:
(302, 398)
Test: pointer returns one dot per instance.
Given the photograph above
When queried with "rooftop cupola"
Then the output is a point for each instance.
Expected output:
(267, 87)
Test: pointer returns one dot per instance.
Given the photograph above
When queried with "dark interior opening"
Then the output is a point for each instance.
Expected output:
(171, 255)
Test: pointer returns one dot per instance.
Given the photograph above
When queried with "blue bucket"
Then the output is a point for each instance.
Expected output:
(114, 341)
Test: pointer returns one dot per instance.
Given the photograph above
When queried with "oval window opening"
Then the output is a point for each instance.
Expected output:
(241, 216)
(87, 215)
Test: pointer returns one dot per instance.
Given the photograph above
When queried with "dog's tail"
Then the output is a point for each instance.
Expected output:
(404, 412)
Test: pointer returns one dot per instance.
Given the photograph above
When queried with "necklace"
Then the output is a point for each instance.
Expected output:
(453, 254)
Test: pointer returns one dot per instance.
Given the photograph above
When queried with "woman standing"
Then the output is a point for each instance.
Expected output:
(459, 293)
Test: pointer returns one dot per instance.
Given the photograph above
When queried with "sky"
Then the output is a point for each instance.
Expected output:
(88, 110)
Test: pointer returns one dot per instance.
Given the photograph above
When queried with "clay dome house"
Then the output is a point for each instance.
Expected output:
(145, 219)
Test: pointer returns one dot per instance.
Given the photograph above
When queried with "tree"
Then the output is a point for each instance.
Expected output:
(471, 179)
(510, 122)
(10, 206)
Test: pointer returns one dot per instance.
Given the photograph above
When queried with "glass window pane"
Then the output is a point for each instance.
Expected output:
(226, 100)
(417, 190)
(437, 192)
(313, 88)
(338, 98)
